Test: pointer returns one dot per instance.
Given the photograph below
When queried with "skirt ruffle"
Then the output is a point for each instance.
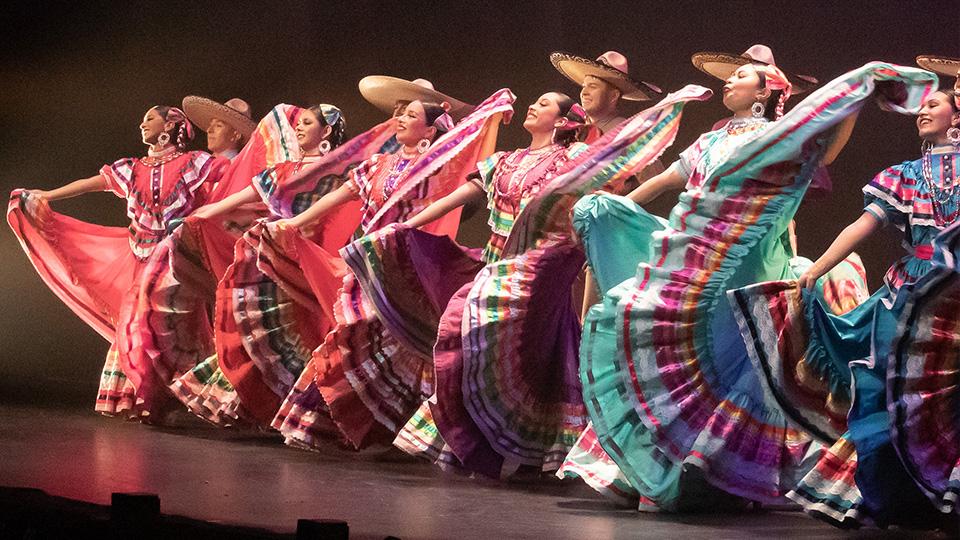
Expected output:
(207, 393)
(512, 364)
(371, 383)
(169, 331)
(268, 321)
(923, 379)
(664, 406)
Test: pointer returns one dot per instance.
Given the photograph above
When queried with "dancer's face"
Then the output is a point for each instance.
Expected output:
(543, 115)
(221, 137)
(311, 132)
(412, 125)
(598, 97)
(743, 89)
(152, 126)
(936, 117)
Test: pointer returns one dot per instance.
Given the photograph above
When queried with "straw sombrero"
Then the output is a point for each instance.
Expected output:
(235, 113)
(611, 67)
(944, 65)
(383, 92)
(721, 65)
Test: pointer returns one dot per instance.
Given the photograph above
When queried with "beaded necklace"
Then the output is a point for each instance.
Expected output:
(737, 126)
(305, 159)
(155, 160)
(940, 195)
(515, 169)
(400, 164)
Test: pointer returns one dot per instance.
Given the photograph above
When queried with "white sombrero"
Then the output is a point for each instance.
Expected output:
(383, 92)
(611, 67)
(235, 113)
(944, 65)
(721, 65)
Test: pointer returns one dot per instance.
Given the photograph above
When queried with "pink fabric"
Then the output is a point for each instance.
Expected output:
(89, 267)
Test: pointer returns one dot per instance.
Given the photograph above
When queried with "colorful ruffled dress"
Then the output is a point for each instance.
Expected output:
(669, 386)
(500, 325)
(170, 332)
(271, 310)
(95, 269)
(623, 243)
(829, 372)
(923, 375)
(358, 383)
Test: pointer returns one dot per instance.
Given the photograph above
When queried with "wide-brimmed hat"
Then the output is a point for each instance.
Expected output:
(383, 92)
(721, 65)
(944, 65)
(235, 113)
(611, 67)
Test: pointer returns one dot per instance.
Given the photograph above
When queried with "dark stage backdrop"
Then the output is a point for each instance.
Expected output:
(78, 76)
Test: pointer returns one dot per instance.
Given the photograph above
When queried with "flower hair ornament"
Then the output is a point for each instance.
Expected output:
(777, 80)
(185, 133)
(444, 122)
(571, 123)
(331, 114)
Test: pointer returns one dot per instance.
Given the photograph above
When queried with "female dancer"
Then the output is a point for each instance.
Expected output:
(418, 276)
(95, 269)
(922, 386)
(419, 284)
(174, 333)
(861, 477)
(668, 385)
(430, 164)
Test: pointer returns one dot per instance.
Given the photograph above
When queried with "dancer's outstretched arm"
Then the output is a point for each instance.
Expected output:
(244, 196)
(78, 187)
(457, 198)
(320, 208)
(843, 246)
(670, 179)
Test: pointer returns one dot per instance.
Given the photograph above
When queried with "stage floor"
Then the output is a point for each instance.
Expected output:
(251, 479)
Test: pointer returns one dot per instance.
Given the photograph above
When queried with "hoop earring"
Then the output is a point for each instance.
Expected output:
(163, 139)
(757, 109)
(953, 135)
(324, 147)
(423, 145)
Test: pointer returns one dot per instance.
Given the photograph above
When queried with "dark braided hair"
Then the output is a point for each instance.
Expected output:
(337, 128)
(432, 111)
(770, 107)
(952, 94)
(566, 137)
(182, 132)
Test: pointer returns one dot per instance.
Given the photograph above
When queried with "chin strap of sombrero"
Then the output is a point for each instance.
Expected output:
(777, 80)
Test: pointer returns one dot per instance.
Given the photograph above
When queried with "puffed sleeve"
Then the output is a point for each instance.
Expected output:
(119, 176)
(360, 177)
(485, 169)
(889, 196)
(686, 162)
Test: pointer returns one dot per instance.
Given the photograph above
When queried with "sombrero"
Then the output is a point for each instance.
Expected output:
(611, 67)
(235, 113)
(721, 65)
(944, 65)
(383, 92)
